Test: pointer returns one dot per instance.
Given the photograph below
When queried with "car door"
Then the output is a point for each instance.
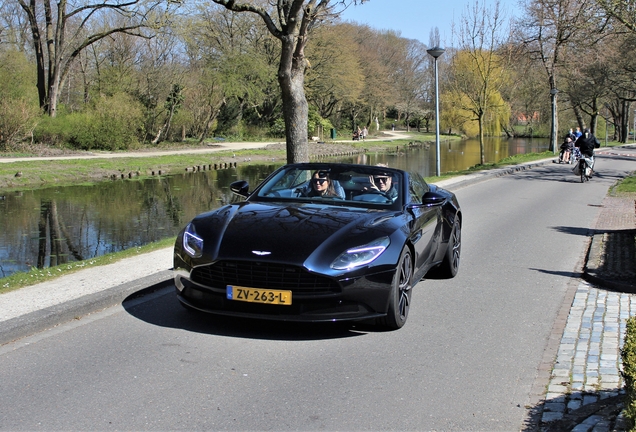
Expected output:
(426, 222)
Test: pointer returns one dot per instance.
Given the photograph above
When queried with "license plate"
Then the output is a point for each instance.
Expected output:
(258, 295)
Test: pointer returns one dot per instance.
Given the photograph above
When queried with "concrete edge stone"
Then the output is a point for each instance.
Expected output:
(609, 407)
(35, 322)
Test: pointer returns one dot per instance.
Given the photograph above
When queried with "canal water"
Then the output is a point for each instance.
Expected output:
(57, 225)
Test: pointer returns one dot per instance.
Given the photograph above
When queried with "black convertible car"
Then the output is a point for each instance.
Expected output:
(320, 242)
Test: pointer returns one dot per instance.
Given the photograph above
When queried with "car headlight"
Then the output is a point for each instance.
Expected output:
(360, 255)
(192, 243)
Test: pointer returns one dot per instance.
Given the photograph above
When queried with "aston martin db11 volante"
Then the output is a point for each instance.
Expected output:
(320, 242)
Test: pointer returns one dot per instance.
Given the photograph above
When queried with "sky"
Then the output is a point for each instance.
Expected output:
(416, 18)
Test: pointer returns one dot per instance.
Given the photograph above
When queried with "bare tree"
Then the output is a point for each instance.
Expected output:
(295, 19)
(480, 66)
(622, 10)
(551, 29)
(67, 31)
(411, 75)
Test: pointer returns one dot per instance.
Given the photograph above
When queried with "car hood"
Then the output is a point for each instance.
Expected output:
(289, 233)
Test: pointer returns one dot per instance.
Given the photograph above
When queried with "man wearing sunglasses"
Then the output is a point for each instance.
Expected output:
(383, 182)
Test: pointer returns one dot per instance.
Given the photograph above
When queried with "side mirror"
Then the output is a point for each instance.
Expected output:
(433, 199)
(240, 187)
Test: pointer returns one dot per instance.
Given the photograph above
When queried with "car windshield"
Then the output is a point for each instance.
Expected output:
(359, 185)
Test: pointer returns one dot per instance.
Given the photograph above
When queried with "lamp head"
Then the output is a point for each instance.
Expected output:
(435, 52)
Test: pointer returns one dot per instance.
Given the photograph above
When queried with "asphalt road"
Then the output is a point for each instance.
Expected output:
(468, 358)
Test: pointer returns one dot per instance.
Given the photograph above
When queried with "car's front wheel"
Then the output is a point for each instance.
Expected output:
(450, 265)
(400, 299)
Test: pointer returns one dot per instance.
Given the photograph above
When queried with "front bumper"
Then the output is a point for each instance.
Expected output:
(361, 298)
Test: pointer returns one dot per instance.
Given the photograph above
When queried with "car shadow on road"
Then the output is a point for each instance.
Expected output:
(161, 308)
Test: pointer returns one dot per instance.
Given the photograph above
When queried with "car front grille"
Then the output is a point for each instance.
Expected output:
(263, 275)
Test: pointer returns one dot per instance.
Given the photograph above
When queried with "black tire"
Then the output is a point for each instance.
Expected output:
(450, 266)
(400, 297)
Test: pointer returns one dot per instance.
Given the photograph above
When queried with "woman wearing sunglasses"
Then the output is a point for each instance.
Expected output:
(322, 186)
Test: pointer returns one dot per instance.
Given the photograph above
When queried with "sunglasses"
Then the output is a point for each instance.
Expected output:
(381, 179)
(319, 180)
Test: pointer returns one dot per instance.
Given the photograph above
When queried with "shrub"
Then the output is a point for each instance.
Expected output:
(277, 129)
(17, 118)
(111, 123)
(628, 356)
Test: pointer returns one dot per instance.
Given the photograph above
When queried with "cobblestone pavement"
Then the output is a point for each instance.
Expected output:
(586, 387)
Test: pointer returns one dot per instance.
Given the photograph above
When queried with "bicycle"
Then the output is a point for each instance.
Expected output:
(585, 168)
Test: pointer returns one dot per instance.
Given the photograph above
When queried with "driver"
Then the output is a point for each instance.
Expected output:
(382, 181)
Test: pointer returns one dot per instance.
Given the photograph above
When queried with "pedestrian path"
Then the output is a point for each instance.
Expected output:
(588, 363)
(585, 391)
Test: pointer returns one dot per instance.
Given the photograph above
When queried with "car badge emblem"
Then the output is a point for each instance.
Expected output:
(261, 253)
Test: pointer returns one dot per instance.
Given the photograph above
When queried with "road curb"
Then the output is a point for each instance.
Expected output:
(41, 320)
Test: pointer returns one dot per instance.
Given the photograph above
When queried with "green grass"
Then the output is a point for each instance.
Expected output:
(65, 172)
(626, 186)
(35, 276)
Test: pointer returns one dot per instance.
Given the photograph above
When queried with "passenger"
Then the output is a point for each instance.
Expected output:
(323, 186)
(382, 181)
(566, 150)
(577, 134)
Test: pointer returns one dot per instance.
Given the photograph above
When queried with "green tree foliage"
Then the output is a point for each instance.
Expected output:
(291, 22)
(18, 98)
(378, 52)
(66, 29)
(479, 69)
(235, 71)
(335, 76)
(475, 94)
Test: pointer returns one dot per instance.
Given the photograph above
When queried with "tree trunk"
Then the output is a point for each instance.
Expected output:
(482, 151)
(579, 116)
(291, 78)
(214, 112)
(625, 121)
(295, 113)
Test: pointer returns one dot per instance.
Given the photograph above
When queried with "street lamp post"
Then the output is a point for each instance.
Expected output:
(553, 132)
(435, 53)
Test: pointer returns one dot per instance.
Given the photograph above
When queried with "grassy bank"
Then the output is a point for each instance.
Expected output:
(61, 172)
(81, 168)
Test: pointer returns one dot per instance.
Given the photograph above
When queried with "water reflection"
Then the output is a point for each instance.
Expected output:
(51, 226)
(47, 227)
